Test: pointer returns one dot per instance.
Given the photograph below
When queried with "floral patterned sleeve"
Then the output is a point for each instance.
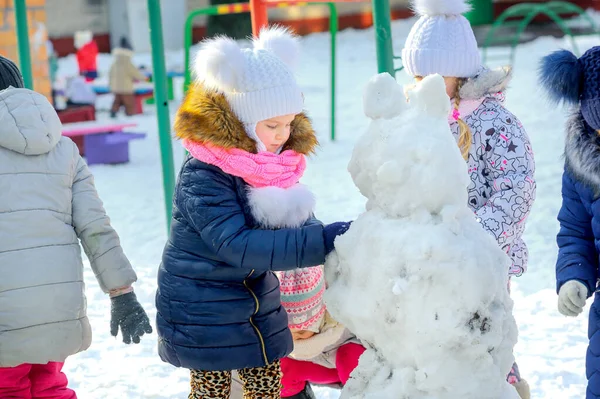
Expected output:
(509, 176)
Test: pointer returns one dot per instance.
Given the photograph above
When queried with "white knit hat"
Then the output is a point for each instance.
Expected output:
(441, 41)
(258, 82)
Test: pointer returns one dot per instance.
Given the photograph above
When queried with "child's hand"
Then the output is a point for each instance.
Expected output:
(331, 232)
(571, 298)
(127, 313)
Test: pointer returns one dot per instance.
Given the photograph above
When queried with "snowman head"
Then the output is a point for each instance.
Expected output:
(408, 158)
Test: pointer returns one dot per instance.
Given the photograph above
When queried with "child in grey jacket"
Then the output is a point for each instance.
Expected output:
(48, 204)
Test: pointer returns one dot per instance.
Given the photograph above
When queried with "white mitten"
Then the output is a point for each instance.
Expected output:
(571, 298)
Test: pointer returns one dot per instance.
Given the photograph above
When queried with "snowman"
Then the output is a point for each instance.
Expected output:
(416, 277)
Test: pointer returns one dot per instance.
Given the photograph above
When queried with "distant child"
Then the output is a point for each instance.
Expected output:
(239, 214)
(492, 140)
(325, 352)
(48, 205)
(577, 82)
(122, 76)
(87, 54)
(79, 93)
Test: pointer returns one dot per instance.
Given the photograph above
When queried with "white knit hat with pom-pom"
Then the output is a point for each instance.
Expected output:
(258, 82)
(441, 41)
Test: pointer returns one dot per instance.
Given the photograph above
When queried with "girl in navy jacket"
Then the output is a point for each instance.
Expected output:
(239, 214)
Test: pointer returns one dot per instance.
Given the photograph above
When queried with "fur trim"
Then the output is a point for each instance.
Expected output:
(281, 42)
(440, 7)
(219, 64)
(205, 116)
(582, 152)
(276, 208)
(122, 52)
(486, 82)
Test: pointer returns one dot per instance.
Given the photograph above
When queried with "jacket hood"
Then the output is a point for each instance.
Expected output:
(582, 151)
(486, 83)
(28, 123)
(122, 52)
(206, 117)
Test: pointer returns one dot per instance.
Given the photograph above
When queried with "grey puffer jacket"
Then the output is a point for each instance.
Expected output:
(48, 203)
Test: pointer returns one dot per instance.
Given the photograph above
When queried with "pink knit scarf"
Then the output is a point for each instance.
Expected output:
(258, 170)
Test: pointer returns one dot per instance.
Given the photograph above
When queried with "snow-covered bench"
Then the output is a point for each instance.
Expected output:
(103, 143)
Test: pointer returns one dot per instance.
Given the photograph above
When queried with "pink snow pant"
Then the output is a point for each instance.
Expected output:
(34, 381)
(297, 373)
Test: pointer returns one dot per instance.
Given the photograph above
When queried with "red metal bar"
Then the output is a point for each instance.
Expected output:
(313, 1)
(259, 16)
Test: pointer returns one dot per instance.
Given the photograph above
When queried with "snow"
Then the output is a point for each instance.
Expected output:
(441, 281)
(551, 348)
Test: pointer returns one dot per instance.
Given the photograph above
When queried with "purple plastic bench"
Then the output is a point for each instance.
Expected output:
(104, 144)
(109, 148)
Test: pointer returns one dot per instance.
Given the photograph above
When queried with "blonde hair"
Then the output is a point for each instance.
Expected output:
(464, 132)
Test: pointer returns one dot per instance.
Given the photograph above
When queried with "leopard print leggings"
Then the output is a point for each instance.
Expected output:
(259, 383)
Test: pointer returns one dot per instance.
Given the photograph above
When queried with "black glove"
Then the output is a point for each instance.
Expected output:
(331, 232)
(127, 313)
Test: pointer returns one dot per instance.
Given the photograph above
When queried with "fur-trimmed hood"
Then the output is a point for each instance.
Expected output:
(205, 116)
(582, 152)
(486, 83)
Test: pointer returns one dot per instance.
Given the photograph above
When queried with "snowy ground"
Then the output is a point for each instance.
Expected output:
(551, 348)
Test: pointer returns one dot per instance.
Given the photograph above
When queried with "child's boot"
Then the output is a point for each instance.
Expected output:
(307, 393)
(522, 387)
(523, 390)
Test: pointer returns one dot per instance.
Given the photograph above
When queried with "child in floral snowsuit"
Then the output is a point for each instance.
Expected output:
(492, 140)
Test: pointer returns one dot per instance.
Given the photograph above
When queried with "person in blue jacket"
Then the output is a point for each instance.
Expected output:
(239, 215)
(577, 81)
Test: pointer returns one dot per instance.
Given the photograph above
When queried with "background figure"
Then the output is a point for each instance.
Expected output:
(122, 76)
(87, 53)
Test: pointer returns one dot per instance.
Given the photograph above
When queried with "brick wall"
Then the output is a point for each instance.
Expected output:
(36, 15)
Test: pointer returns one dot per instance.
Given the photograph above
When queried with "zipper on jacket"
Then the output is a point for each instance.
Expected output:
(260, 337)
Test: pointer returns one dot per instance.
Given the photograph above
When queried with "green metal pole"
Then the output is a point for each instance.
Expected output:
(23, 40)
(383, 36)
(333, 28)
(162, 104)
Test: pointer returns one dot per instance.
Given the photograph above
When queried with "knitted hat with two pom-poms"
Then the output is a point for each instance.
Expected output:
(258, 82)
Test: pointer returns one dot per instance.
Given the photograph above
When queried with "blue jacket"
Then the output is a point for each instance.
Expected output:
(579, 236)
(218, 299)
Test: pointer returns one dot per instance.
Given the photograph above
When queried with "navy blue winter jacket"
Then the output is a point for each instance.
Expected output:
(218, 300)
(579, 236)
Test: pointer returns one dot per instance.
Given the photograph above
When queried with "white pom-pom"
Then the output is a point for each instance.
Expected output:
(219, 64)
(280, 41)
(383, 97)
(440, 7)
(430, 95)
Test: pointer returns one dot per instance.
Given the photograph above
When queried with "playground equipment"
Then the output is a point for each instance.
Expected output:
(381, 23)
(23, 42)
(521, 15)
(237, 8)
(162, 104)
